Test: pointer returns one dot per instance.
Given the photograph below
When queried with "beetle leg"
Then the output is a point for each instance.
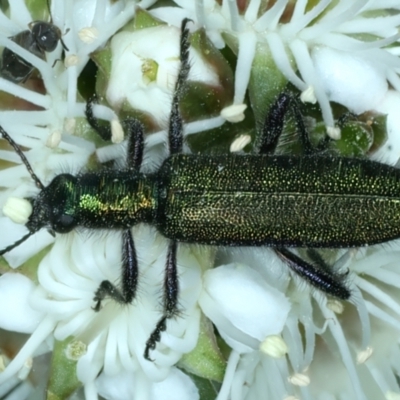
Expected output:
(316, 258)
(135, 143)
(319, 274)
(129, 276)
(135, 134)
(170, 299)
(273, 125)
(323, 279)
(175, 128)
(175, 142)
(104, 131)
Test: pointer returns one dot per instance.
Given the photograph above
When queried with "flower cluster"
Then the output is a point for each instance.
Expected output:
(275, 337)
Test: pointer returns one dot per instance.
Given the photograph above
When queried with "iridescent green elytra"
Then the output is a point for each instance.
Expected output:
(307, 201)
(312, 201)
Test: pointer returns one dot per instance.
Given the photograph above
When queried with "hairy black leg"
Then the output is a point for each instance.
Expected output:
(301, 127)
(325, 280)
(175, 128)
(274, 121)
(134, 128)
(316, 258)
(319, 274)
(273, 124)
(135, 143)
(170, 299)
(129, 276)
(175, 141)
(129, 260)
(104, 131)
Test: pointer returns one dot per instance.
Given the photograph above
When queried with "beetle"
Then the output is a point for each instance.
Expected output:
(313, 200)
(41, 37)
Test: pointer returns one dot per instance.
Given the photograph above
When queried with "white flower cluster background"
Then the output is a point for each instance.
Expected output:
(248, 329)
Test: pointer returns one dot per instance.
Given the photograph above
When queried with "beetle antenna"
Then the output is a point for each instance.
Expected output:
(17, 243)
(18, 150)
(62, 42)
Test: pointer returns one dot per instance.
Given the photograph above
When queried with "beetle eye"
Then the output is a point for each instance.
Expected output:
(65, 223)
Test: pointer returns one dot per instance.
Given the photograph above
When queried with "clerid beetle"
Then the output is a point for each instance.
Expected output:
(41, 37)
(312, 200)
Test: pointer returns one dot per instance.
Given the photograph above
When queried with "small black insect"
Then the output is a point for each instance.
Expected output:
(41, 37)
(313, 200)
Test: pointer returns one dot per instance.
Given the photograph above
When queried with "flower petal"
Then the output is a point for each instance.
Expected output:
(16, 313)
(344, 77)
(243, 306)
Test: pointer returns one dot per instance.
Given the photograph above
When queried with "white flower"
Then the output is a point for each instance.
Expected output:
(70, 274)
(235, 296)
(247, 312)
(390, 151)
(322, 338)
(145, 65)
(313, 47)
(63, 300)
(285, 338)
(177, 385)
(132, 52)
(15, 290)
(50, 121)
